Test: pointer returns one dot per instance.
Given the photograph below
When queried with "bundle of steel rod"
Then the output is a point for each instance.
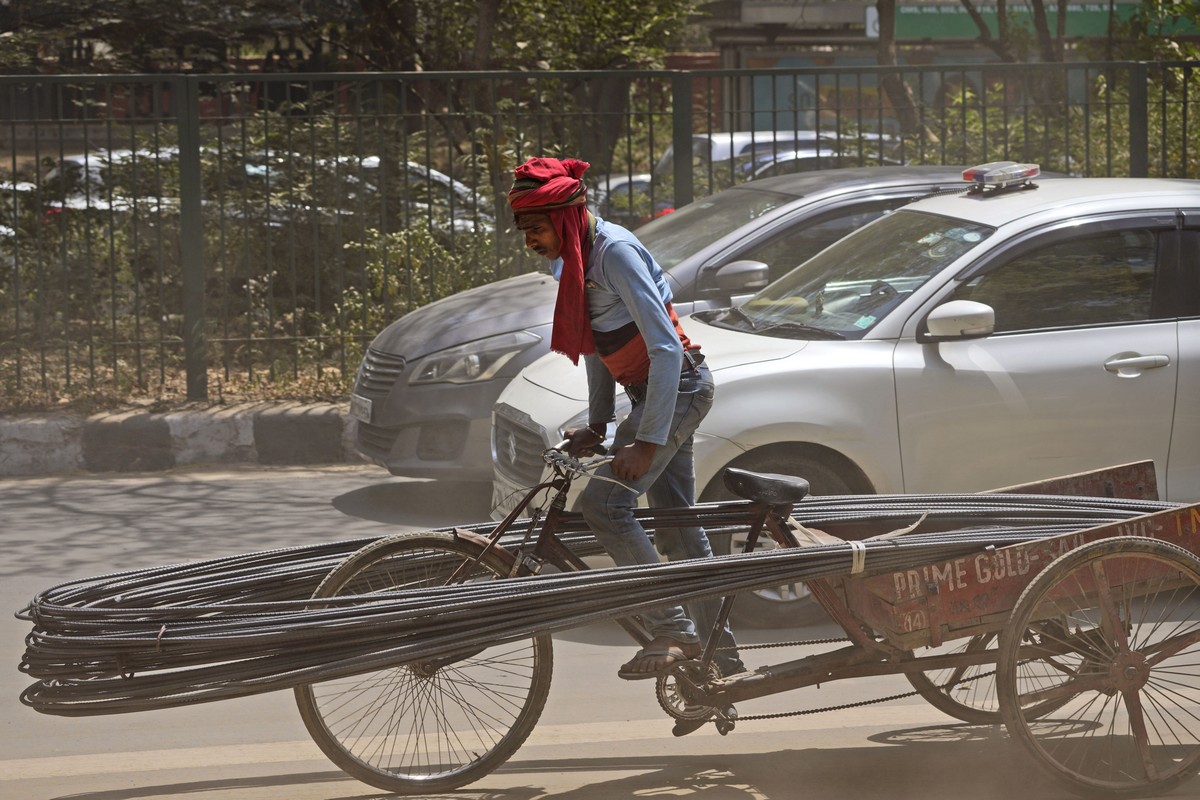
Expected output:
(241, 625)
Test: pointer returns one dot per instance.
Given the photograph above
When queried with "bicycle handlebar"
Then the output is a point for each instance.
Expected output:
(558, 458)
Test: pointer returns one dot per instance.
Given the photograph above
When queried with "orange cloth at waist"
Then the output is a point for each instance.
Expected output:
(629, 361)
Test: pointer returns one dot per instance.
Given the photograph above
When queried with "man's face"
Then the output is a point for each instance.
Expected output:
(540, 236)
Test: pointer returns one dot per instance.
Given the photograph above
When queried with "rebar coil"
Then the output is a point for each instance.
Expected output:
(245, 624)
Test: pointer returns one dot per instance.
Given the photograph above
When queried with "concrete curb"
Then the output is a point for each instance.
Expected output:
(136, 441)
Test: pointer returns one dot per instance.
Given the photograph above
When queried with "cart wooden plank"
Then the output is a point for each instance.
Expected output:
(931, 603)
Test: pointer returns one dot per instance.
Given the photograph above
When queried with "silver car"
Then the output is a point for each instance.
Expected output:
(966, 342)
(424, 393)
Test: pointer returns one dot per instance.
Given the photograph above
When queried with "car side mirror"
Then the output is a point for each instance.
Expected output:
(959, 319)
(737, 277)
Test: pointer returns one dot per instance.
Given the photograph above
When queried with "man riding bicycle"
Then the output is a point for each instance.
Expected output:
(614, 309)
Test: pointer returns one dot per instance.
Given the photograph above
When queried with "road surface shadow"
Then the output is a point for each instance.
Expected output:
(412, 502)
(982, 766)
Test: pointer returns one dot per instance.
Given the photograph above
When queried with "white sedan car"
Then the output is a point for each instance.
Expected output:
(970, 341)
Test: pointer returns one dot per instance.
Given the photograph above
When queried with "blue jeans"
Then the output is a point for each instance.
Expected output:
(671, 481)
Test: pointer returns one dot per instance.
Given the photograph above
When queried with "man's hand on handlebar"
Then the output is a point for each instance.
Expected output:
(583, 442)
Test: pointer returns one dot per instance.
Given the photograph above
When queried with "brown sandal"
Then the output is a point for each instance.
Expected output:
(662, 653)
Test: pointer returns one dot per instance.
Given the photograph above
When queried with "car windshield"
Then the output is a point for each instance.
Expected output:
(843, 291)
(676, 236)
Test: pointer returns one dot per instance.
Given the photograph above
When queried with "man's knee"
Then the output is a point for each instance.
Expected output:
(606, 506)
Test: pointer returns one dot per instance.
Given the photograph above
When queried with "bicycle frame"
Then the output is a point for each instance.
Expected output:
(548, 549)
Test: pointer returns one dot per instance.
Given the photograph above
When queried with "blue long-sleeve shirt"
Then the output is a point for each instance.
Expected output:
(624, 285)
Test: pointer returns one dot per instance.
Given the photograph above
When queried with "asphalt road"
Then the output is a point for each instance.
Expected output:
(600, 738)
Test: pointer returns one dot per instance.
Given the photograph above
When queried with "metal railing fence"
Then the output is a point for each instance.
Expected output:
(160, 233)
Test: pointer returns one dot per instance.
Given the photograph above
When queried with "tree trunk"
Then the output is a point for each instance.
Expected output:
(1049, 48)
(898, 92)
(485, 32)
(389, 32)
(999, 45)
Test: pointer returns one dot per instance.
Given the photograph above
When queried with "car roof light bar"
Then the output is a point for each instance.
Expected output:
(999, 175)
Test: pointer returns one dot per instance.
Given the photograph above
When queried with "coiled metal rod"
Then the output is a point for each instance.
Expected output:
(245, 624)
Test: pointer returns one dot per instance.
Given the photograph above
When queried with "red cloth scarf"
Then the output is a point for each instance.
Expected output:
(554, 187)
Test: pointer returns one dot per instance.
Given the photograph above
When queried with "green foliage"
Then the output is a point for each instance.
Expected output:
(392, 35)
(1157, 31)
(1089, 136)
(139, 35)
(404, 270)
(295, 208)
(603, 34)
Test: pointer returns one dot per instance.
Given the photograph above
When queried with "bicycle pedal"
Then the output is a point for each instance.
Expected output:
(726, 720)
(685, 726)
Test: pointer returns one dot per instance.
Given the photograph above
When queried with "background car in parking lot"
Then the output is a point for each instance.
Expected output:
(964, 342)
(727, 158)
(425, 390)
(626, 199)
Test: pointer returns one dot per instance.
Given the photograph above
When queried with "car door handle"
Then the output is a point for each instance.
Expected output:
(1130, 366)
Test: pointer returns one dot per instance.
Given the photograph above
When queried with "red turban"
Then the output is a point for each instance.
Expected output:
(553, 187)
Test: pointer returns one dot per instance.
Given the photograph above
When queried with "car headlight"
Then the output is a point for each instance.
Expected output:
(474, 361)
(622, 408)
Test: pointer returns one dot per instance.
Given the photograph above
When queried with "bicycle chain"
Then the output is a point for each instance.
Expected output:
(796, 643)
(807, 711)
(843, 706)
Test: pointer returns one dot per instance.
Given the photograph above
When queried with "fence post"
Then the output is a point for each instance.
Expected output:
(681, 137)
(1139, 130)
(191, 236)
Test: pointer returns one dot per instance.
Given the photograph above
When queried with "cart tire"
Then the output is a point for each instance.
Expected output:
(1119, 620)
(410, 728)
(969, 693)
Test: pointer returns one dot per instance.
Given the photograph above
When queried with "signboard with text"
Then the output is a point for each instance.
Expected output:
(951, 20)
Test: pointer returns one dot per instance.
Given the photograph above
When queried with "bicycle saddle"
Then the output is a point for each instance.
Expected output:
(765, 487)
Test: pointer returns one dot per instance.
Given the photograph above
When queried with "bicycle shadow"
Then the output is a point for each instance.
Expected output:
(977, 765)
(936, 762)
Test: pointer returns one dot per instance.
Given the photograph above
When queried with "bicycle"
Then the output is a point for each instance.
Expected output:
(439, 724)
(1071, 615)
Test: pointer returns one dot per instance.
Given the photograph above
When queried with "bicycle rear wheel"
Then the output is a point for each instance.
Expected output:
(425, 726)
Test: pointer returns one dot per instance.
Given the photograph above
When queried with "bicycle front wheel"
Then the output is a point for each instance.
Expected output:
(426, 726)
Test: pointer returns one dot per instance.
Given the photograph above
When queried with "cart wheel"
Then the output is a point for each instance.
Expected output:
(435, 725)
(1119, 621)
(966, 693)
(969, 693)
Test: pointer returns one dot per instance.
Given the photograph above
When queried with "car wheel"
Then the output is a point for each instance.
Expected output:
(791, 604)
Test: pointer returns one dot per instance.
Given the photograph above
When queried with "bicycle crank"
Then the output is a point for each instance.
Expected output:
(677, 692)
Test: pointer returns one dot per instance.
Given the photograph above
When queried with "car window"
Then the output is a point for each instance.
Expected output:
(769, 168)
(804, 238)
(847, 288)
(676, 236)
(1089, 280)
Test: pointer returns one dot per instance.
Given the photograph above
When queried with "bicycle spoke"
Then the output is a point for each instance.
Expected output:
(436, 724)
